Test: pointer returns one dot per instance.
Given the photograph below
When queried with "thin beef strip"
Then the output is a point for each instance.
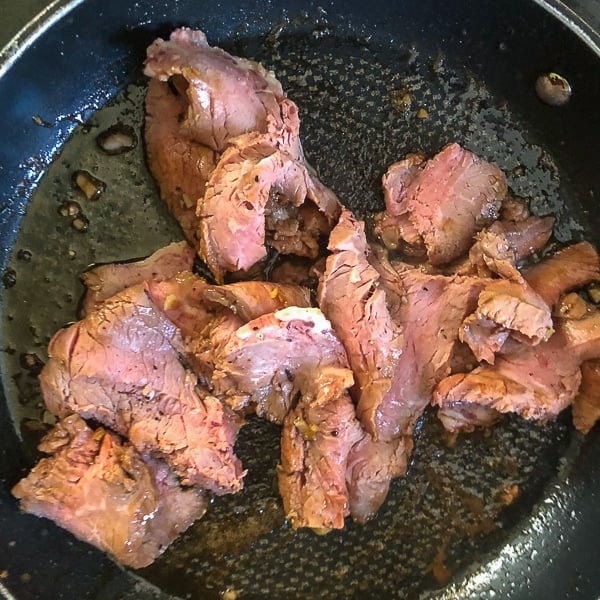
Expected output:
(430, 315)
(262, 363)
(257, 169)
(208, 315)
(106, 494)
(120, 366)
(180, 165)
(226, 95)
(586, 405)
(105, 281)
(317, 436)
(568, 269)
(536, 382)
(350, 296)
(251, 299)
(371, 467)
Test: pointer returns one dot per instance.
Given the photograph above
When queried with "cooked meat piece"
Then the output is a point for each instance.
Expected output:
(226, 95)
(448, 200)
(501, 246)
(252, 299)
(105, 281)
(433, 309)
(254, 170)
(568, 269)
(350, 298)
(316, 439)
(586, 406)
(514, 209)
(466, 416)
(397, 180)
(120, 366)
(181, 300)
(582, 335)
(398, 233)
(267, 359)
(483, 336)
(510, 306)
(101, 490)
(295, 230)
(371, 467)
(536, 382)
(180, 165)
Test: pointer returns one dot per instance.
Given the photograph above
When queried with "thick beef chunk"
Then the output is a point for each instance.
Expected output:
(371, 467)
(586, 406)
(264, 362)
(226, 95)
(180, 165)
(568, 269)
(449, 199)
(105, 281)
(106, 494)
(536, 382)
(317, 436)
(257, 171)
(120, 366)
(350, 297)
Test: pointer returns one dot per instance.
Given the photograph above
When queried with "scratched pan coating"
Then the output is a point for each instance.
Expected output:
(463, 501)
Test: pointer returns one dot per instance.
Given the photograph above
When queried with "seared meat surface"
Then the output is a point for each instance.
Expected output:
(226, 95)
(120, 366)
(105, 281)
(350, 296)
(105, 493)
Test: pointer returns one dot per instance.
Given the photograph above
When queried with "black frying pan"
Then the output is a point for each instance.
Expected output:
(447, 530)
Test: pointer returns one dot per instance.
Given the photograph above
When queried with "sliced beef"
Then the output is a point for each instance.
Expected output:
(466, 416)
(120, 366)
(434, 306)
(252, 299)
(350, 297)
(582, 335)
(256, 170)
(106, 494)
(317, 436)
(265, 362)
(394, 226)
(397, 181)
(371, 467)
(449, 199)
(586, 406)
(226, 95)
(105, 281)
(499, 248)
(536, 382)
(568, 269)
(506, 307)
(398, 233)
(180, 165)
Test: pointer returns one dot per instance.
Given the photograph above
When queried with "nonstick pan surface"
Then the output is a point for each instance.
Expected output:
(451, 528)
